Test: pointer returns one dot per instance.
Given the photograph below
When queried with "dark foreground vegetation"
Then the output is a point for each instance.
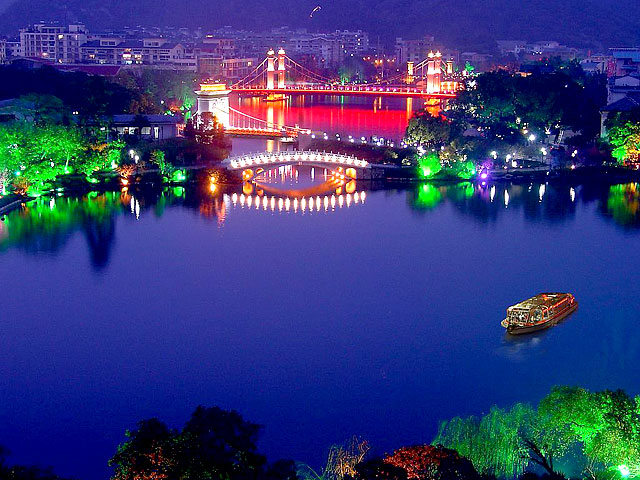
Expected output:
(572, 432)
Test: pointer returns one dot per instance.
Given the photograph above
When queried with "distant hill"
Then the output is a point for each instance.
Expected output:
(466, 23)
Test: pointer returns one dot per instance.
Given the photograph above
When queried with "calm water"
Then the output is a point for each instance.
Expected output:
(376, 318)
(375, 314)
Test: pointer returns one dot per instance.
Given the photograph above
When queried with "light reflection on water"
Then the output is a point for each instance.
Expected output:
(374, 312)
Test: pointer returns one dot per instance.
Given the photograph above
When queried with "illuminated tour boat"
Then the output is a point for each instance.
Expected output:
(539, 312)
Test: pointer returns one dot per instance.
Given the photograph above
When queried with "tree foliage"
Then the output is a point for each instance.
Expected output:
(32, 155)
(603, 426)
(625, 142)
(427, 462)
(342, 460)
(427, 130)
(502, 105)
(21, 472)
(213, 444)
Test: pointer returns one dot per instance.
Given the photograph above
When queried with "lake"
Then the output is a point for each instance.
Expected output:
(374, 314)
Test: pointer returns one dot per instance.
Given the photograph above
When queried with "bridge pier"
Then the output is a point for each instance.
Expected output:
(214, 99)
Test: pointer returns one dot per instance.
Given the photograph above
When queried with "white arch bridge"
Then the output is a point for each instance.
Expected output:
(252, 165)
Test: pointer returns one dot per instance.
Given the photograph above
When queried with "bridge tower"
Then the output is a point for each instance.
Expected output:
(434, 72)
(214, 98)
(410, 72)
(281, 68)
(271, 69)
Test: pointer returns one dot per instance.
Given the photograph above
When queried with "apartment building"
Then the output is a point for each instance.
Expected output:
(53, 42)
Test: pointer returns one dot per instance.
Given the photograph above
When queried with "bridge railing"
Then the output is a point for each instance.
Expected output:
(248, 161)
(347, 88)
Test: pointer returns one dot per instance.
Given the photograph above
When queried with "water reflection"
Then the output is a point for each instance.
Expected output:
(46, 224)
(539, 202)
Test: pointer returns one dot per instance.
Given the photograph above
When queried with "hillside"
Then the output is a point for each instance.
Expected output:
(468, 24)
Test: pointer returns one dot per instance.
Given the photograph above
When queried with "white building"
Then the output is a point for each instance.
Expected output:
(149, 51)
(3, 51)
(53, 42)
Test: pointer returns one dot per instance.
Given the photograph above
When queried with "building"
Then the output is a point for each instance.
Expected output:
(327, 49)
(224, 47)
(148, 51)
(620, 87)
(3, 51)
(146, 127)
(626, 61)
(353, 42)
(512, 47)
(53, 42)
(628, 103)
(413, 50)
(597, 64)
(226, 69)
(481, 61)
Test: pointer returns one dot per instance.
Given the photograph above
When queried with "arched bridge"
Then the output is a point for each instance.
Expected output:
(251, 165)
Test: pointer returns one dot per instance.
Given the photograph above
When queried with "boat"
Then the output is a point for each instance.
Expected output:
(539, 312)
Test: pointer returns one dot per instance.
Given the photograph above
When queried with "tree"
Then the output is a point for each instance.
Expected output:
(491, 443)
(429, 165)
(20, 472)
(428, 462)
(606, 424)
(148, 454)
(378, 469)
(427, 130)
(625, 140)
(216, 443)
(341, 461)
(159, 158)
(603, 426)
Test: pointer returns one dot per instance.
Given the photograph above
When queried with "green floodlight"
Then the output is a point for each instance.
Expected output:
(624, 471)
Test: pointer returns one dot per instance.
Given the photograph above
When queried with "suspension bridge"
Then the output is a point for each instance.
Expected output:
(278, 76)
(270, 78)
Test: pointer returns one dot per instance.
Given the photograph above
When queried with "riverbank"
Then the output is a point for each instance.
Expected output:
(11, 202)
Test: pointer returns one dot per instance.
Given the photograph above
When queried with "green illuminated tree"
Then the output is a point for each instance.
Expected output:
(606, 424)
(159, 158)
(429, 165)
(625, 141)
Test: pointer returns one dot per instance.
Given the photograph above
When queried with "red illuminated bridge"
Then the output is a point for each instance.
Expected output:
(269, 79)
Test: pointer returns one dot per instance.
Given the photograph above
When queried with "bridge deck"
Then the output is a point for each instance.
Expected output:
(337, 90)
